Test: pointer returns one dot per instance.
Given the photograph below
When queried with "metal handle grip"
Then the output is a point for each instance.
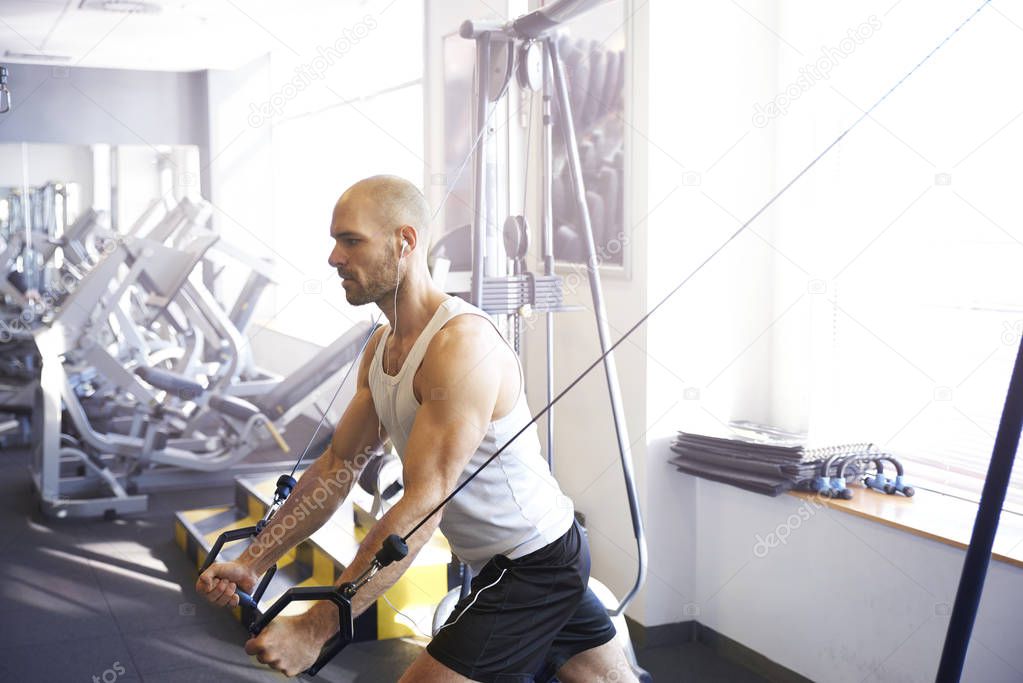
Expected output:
(338, 595)
(244, 599)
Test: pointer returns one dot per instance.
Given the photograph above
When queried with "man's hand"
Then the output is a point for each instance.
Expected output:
(288, 644)
(220, 581)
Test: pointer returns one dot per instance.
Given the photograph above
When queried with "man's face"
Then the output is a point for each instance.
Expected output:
(363, 256)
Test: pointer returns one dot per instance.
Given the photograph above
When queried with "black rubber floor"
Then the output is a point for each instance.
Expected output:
(113, 601)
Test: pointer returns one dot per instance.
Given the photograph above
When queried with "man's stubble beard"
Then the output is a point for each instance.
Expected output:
(379, 287)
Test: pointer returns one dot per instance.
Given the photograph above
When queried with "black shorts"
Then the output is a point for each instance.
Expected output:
(524, 618)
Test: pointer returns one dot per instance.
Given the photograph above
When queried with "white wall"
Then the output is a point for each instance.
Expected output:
(843, 598)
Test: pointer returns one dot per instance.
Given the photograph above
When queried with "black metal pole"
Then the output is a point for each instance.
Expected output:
(978, 555)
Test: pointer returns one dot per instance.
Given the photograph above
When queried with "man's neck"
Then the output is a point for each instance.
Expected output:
(417, 302)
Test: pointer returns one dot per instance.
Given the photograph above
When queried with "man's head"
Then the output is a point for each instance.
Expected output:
(376, 222)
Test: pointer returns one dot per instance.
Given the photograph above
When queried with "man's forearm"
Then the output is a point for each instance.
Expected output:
(319, 492)
(323, 616)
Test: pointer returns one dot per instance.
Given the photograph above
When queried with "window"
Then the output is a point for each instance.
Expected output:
(913, 227)
(358, 112)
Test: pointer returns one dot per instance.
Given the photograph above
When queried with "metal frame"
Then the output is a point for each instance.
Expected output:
(538, 26)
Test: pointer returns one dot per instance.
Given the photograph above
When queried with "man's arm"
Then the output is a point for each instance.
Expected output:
(319, 492)
(459, 382)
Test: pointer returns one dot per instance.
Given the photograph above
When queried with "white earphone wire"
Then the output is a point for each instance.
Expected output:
(397, 279)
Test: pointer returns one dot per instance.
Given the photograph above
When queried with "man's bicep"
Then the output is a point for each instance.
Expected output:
(438, 449)
(451, 423)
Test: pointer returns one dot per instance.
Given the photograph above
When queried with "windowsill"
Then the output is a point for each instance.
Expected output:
(932, 515)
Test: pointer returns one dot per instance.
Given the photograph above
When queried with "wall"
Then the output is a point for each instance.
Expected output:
(842, 598)
(75, 106)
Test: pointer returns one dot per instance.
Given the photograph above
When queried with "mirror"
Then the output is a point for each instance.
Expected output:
(45, 188)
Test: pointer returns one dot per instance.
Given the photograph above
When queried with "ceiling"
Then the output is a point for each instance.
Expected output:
(163, 35)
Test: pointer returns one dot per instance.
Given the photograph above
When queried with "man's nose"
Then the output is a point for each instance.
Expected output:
(336, 257)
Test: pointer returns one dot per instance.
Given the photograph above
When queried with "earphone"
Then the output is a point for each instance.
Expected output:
(397, 279)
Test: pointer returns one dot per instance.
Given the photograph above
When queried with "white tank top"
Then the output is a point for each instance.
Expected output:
(514, 506)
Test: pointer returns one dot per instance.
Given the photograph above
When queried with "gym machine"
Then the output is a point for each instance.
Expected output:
(147, 381)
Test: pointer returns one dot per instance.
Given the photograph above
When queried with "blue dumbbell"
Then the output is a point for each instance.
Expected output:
(878, 482)
(903, 488)
(839, 489)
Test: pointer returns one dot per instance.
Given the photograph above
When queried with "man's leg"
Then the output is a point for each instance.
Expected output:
(426, 669)
(602, 664)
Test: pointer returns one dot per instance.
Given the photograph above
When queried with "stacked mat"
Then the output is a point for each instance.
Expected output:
(759, 458)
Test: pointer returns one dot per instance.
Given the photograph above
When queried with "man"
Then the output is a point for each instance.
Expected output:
(443, 384)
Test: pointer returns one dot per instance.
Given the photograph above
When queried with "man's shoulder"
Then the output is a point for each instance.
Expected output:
(463, 334)
(469, 353)
(468, 323)
(378, 334)
(465, 340)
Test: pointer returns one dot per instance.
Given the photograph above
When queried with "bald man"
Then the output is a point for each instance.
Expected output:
(442, 383)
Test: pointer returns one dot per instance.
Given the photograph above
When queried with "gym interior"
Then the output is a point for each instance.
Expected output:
(755, 259)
